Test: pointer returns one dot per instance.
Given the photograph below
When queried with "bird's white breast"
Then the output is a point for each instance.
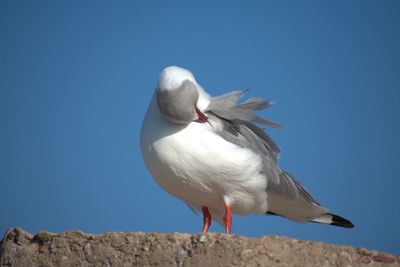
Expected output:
(200, 167)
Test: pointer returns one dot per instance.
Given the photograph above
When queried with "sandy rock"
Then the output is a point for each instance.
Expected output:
(74, 248)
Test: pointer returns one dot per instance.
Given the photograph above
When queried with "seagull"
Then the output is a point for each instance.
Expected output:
(210, 153)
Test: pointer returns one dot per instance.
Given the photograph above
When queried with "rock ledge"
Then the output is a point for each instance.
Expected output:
(74, 248)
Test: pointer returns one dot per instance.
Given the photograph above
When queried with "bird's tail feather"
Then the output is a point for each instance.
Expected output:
(334, 219)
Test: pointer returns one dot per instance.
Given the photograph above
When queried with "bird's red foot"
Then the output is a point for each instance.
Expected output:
(206, 219)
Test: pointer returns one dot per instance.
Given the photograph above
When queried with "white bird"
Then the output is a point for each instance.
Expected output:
(208, 152)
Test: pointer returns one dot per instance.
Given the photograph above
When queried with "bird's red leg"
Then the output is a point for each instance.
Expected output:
(228, 219)
(206, 219)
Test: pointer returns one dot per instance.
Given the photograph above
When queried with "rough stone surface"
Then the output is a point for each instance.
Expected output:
(74, 248)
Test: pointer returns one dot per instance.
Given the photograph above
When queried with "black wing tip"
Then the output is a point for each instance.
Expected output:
(336, 220)
(340, 221)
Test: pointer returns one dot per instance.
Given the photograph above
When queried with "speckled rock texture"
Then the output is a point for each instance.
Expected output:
(74, 248)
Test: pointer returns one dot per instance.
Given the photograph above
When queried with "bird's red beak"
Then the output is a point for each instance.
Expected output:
(202, 117)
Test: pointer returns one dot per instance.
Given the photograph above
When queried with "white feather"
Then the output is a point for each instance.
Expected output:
(198, 166)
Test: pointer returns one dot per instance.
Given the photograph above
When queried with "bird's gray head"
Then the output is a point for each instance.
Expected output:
(177, 95)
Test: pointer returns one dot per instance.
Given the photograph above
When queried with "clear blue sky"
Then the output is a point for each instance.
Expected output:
(76, 78)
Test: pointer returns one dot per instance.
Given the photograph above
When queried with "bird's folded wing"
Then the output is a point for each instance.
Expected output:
(235, 123)
(238, 120)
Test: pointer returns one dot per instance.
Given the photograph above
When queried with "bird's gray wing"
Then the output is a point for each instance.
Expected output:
(290, 199)
(239, 133)
(236, 124)
(242, 117)
(225, 106)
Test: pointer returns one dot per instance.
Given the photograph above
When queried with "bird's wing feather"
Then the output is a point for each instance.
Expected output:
(234, 122)
(239, 134)
(242, 115)
(225, 106)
